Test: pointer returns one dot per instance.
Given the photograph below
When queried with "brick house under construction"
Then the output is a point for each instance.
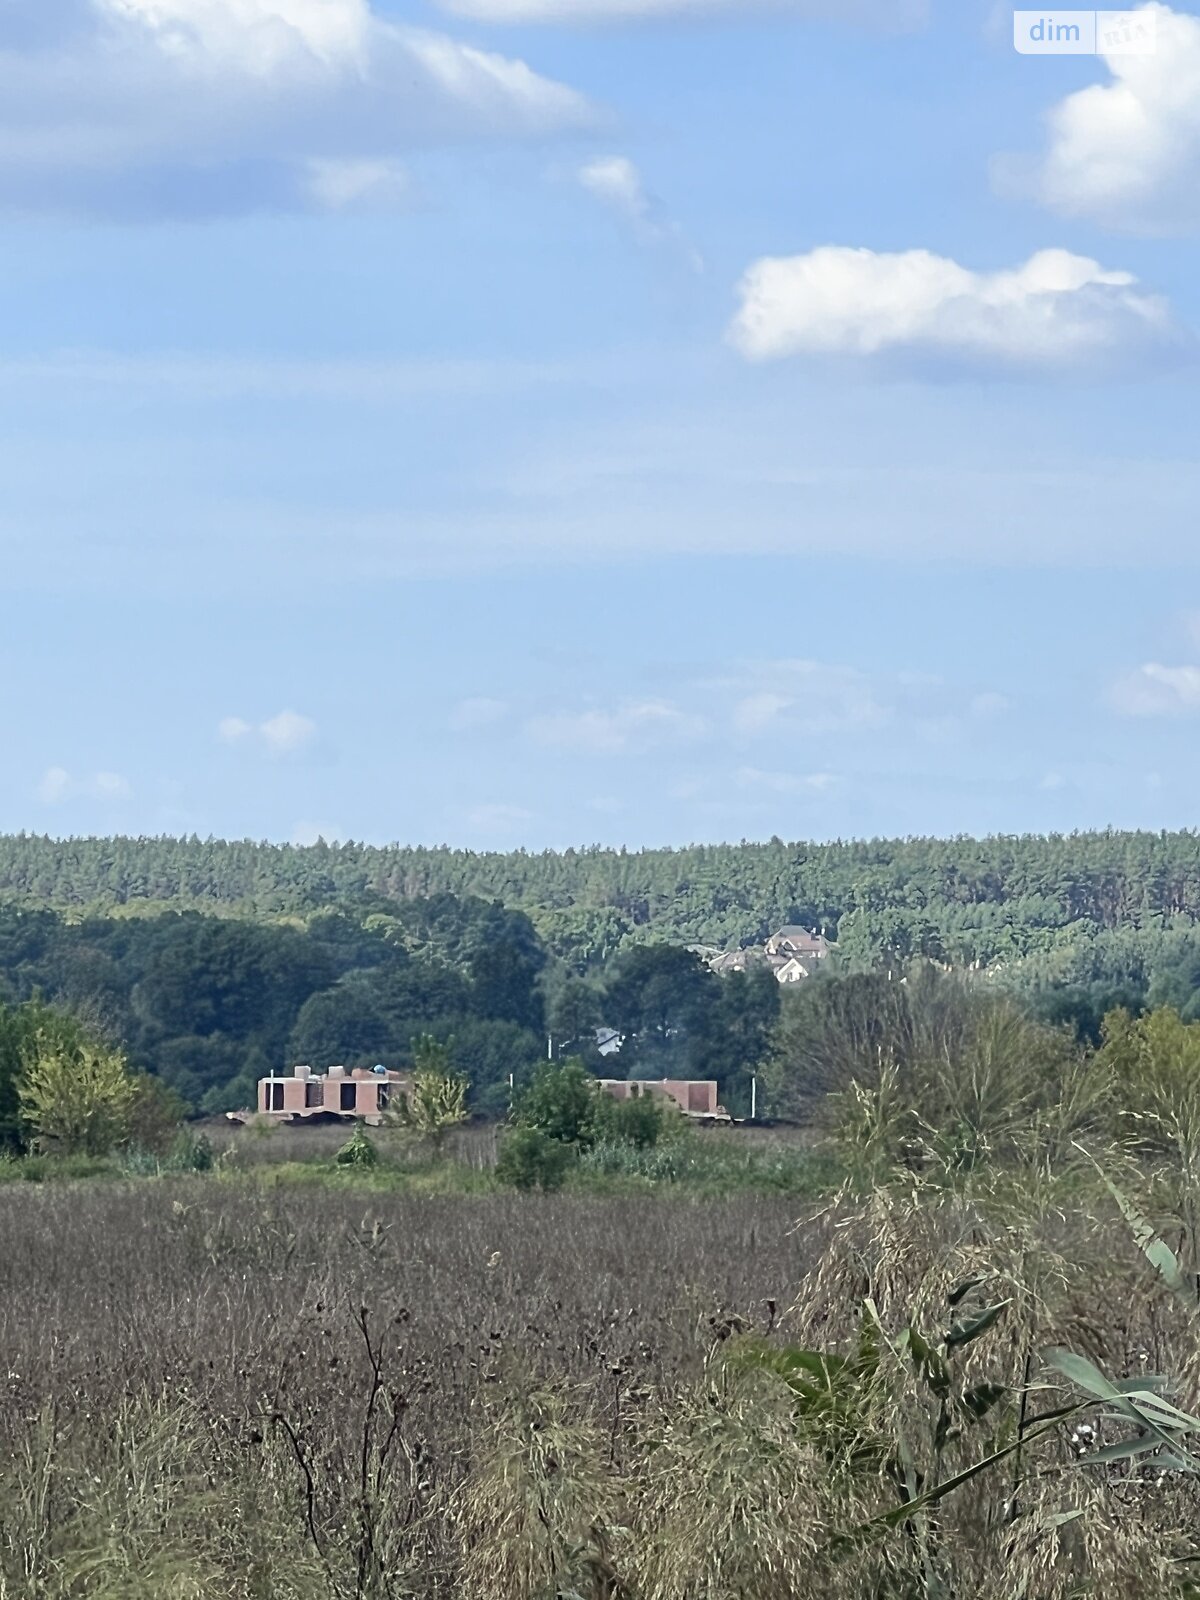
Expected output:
(695, 1097)
(361, 1093)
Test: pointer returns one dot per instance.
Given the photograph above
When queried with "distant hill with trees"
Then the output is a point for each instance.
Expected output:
(957, 900)
(211, 963)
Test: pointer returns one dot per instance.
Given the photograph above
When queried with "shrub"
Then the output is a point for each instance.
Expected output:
(78, 1100)
(190, 1152)
(641, 1122)
(531, 1159)
(358, 1151)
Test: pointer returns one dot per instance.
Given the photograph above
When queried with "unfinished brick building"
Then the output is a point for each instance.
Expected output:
(361, 1093)
(695, 1097)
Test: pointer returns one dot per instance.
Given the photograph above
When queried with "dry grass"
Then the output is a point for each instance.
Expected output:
(229, 1390)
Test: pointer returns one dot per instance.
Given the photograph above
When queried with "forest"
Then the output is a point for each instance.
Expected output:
(212, 963)
(964, 901)
(212, 1004)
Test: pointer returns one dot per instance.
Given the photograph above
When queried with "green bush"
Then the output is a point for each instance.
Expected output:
(531, 1159)
(358, 1151)
(189, 1152)
(562, 1102)
(640, 1122)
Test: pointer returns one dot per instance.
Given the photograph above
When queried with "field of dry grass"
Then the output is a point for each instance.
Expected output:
(217, 1387)
(250, 1319)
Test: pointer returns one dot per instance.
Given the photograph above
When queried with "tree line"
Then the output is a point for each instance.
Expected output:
(210, 1005)
(961, 900)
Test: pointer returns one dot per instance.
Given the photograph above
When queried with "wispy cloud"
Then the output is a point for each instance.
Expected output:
(156, 108)
(280, 735)
(187, 375)
(57, 785)
(893, 15)
(1057, 312)
(498, 818)
(989, 704)
(476, 712)
(807, 696)
(634, 726)
(358, 185)
(618, 184)
(1154, 690)
(788, 783)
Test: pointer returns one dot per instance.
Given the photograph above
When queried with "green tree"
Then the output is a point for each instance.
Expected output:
(21, 1029)
(1176, 982)
(341, 1026)
(738, 1034)
(80, 1101)
(572, 1013)
(155, 1114)
(661, 999)
(437, 1098)
(563, 1102)
(1154, 1062)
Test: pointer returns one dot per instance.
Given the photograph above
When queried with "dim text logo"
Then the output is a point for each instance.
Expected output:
(1085, 33)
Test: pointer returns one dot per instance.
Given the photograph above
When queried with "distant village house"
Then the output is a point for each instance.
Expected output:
(793, 954)
(799, 943)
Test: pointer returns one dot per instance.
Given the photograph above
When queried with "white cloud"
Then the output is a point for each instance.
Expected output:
(760, 710)
(785, 782)
(358, 185)
(260, 36)
(498, 818)
(636, 725)
(280, 735)
(891, 14)
(1126, 153)
(1055, 311)
(288, 731)
(809, 696)
(195, 107)
(110, 786)
(477, 712)
(616, 182)
(58, 785)
(55, 785)
(1154, 690)
(795, 696)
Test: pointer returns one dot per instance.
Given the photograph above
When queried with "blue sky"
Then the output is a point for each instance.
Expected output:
(541, 422)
